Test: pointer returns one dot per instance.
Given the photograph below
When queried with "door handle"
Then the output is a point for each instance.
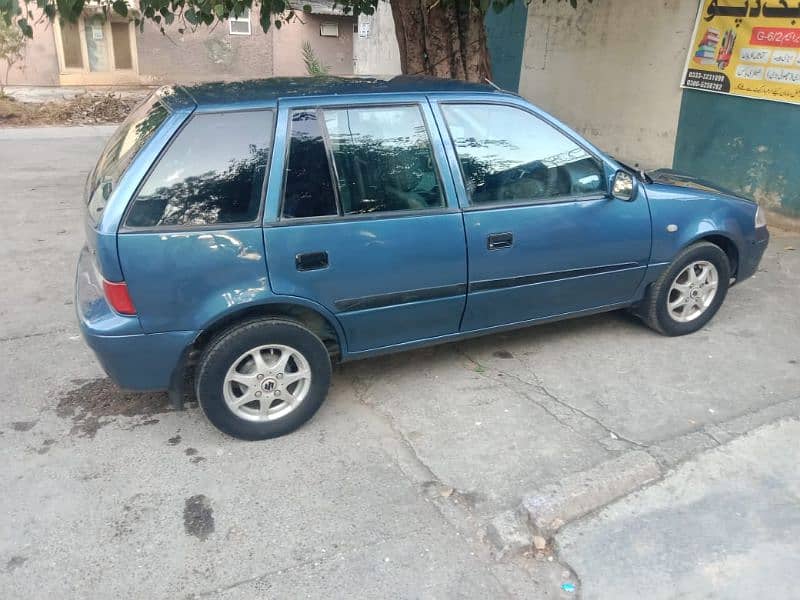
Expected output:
(311, 261)
(495, 241)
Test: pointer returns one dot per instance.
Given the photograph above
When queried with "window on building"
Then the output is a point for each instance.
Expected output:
(384, 161)
(509, 155)
(71, 45)
(121, 38)
(307, 191)
(95, 44)
(213, 173)
(329, 29)
(240, 25)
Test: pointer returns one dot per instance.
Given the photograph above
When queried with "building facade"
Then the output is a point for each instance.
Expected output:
(613, 71)
(99, 51)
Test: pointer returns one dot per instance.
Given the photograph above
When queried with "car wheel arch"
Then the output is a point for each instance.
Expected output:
(325, 326)
(726, 243)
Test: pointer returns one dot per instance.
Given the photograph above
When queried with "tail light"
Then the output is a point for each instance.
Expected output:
(118, 297)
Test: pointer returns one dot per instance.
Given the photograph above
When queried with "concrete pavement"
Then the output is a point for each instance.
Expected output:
(723, 525)
(387, 492)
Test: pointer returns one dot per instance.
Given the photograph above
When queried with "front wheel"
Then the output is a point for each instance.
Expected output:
(689, 293)
(263, 378)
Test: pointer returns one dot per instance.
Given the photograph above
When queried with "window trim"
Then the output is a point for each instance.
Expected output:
(340, 216)
(84, 74)
(329, 25)
(473, 207)
(240, 19)
(126, 229)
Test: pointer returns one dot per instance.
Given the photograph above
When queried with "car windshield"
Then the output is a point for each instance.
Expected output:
(120, 150)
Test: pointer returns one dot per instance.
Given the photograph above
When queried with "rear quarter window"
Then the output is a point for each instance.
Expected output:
(121, 149)
(212, 173)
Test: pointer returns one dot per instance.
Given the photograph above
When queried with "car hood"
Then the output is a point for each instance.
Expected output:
(677, 179)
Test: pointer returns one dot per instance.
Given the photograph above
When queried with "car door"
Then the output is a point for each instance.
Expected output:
(544, 238)
(361, 222)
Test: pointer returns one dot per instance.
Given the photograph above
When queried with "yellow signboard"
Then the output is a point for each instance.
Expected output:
(746, 48)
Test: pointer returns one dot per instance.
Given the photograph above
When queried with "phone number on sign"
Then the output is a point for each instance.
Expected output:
(716, 82)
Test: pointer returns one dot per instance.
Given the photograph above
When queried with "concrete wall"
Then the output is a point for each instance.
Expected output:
(204, 55)
(377, 53)
(611, 70)
(747, 145)
(40, 66)
(335, 52)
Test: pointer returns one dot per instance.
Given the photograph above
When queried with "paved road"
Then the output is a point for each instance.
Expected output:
(725, 525)
(386, 491)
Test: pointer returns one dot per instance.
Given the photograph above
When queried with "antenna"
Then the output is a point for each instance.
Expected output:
(493, 84)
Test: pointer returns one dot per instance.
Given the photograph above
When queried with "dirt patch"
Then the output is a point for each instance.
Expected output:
(134, 511)
(23, 425)
(198, 517)
(86, 109)
(92, 402)
(45, 447)
(15, 562)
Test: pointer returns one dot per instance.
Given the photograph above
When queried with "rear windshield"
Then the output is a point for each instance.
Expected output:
(121, 149)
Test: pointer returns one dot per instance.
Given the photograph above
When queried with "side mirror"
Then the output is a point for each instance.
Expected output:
(623, 186)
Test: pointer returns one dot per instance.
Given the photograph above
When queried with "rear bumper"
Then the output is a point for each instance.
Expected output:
(142, 362)
(133, 359)
(751, 255)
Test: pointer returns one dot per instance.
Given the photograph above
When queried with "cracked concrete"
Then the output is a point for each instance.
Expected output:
(388, 491)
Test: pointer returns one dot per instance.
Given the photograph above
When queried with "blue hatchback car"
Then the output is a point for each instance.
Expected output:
(243, 236)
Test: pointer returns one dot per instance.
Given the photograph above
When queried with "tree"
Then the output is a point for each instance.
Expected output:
(12, 49)
(444, 38)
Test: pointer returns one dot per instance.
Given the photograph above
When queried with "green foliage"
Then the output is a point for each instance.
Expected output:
(12, 48)
(194, 13)
(314, 66)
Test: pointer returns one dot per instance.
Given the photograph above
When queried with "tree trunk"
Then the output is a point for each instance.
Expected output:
(442, 38)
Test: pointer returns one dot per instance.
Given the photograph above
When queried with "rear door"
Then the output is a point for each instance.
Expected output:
(361, 221)
(543, 235)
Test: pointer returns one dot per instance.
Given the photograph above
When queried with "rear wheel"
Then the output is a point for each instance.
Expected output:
(263, 378)
(689, 293)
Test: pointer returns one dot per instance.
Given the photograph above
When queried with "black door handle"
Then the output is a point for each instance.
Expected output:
(495, 241)
(311, 261)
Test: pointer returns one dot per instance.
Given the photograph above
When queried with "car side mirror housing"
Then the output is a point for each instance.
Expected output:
(623, 186)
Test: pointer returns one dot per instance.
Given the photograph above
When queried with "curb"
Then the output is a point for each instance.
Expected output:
(581, 493)
(542, 513)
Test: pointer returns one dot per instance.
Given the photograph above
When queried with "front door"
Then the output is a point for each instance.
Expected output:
(543, 236)
(362, 224)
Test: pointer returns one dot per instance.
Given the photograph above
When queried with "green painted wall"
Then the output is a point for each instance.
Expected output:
(505, 35)
(750, 146)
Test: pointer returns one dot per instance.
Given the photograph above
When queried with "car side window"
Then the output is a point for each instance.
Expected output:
(212, 173)
(307, 189)
(509, 155)
(383, 158)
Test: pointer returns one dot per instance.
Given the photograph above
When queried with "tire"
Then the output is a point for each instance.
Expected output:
(655, 310)
(253, 401)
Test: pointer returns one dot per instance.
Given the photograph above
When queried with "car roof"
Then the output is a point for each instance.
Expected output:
(269, 91)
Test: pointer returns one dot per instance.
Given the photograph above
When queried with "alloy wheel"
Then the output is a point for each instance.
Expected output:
(692, 291)
(267, 383)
